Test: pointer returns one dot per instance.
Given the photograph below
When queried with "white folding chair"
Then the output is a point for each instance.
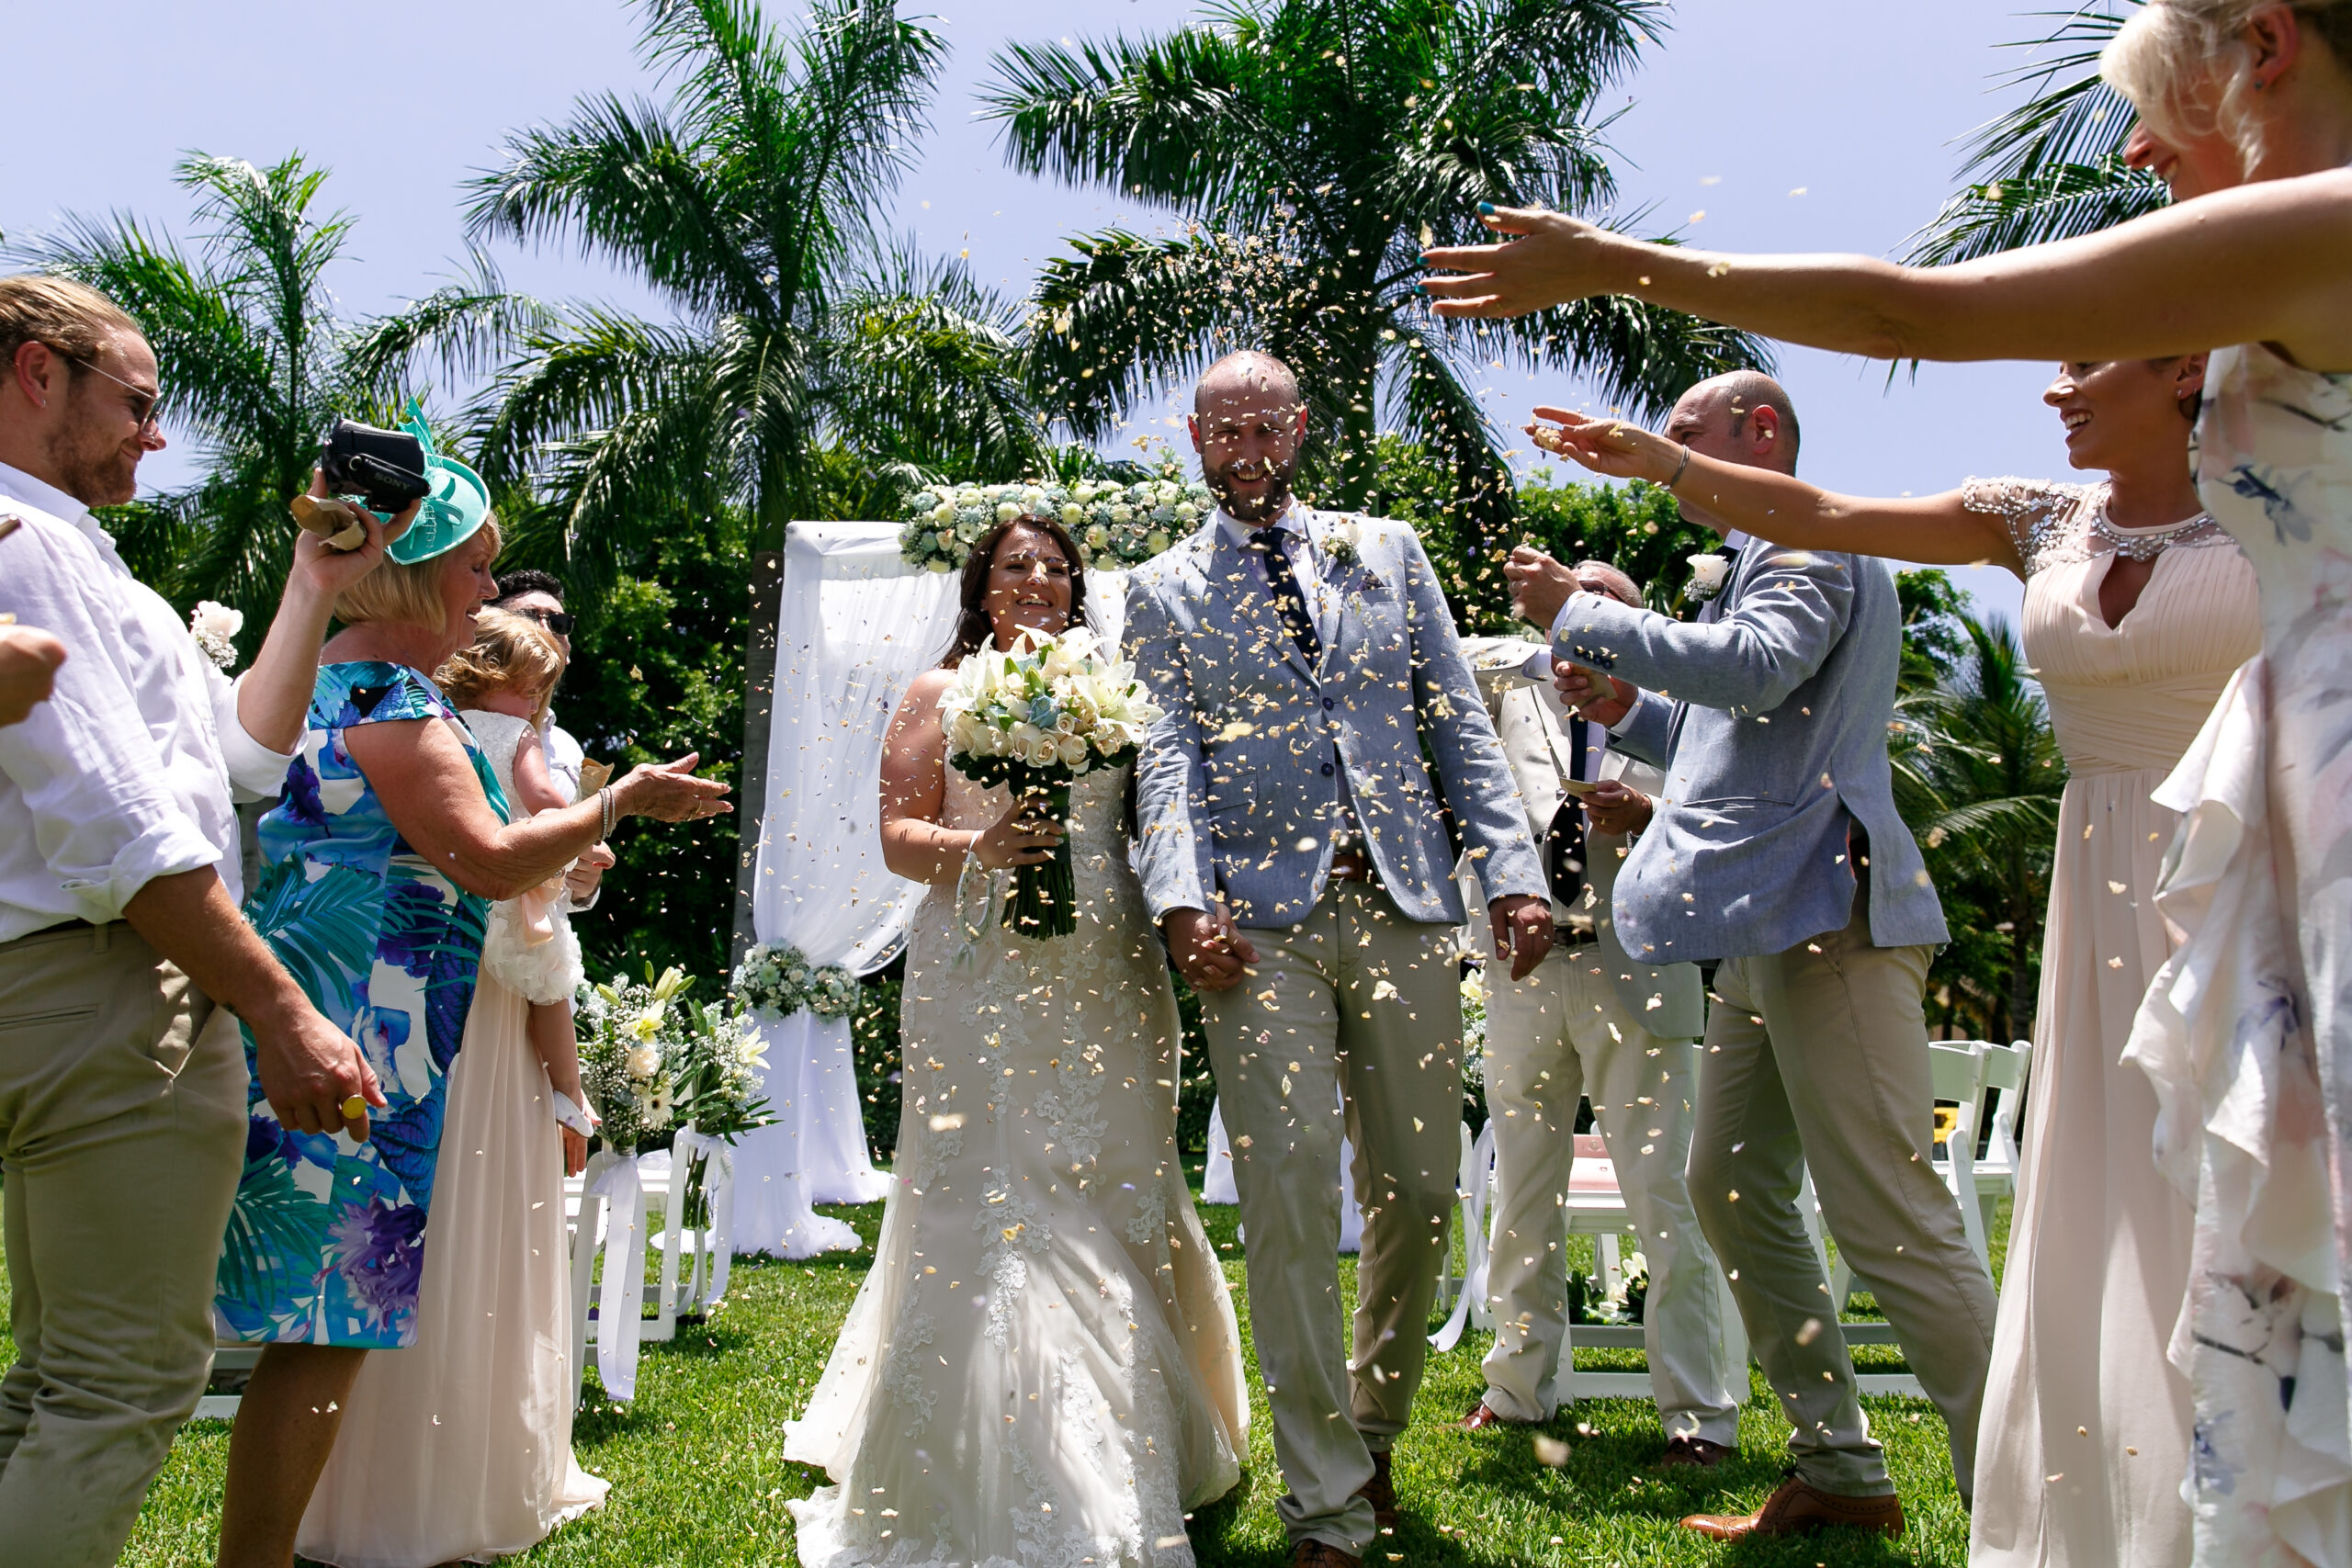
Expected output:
(1999, 1168)
(1597, 1208)
(1956, 1071)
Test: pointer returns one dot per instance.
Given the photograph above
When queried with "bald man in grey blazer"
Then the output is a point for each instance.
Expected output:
(1290, 845)
(1775, 848)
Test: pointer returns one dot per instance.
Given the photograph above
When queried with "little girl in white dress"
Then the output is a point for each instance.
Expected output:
(460, 1448)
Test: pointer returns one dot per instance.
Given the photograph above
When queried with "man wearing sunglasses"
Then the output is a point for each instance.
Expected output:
(539, 595)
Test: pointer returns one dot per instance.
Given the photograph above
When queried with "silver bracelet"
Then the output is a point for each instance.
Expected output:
(1677, 477)
(605, 799)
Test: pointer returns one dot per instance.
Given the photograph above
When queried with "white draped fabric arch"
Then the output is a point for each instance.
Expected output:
(856, 625)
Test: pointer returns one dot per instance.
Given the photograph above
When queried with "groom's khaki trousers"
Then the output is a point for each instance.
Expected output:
(1354, 1000)
(1818, 1056)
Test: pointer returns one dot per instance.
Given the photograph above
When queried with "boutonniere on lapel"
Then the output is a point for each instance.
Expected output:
(1344, 541)
(1709, 573)
(1342, 545)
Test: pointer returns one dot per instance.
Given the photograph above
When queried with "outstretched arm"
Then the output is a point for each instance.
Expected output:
(2267, 263)
(1936, 529)
(1791, 612)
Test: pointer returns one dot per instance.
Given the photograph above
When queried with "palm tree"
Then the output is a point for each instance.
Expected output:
(2052, 168)
(747, 200)
(1977, 775)
(1318, 146)
(255, 364)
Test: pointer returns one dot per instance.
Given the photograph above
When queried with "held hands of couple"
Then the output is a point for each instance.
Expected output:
(1207, 948)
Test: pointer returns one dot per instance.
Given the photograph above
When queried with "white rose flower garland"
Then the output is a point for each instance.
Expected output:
(1114, 524)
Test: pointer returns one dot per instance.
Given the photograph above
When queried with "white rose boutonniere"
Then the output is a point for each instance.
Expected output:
(1343, 542)
(215, 628)
(1709, 572)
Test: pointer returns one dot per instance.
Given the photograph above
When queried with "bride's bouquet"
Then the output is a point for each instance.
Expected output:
(1035, 719)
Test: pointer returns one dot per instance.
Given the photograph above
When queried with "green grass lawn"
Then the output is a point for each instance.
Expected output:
(699, 1477)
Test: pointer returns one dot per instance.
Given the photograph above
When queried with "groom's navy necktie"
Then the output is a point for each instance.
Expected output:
(1288, 600)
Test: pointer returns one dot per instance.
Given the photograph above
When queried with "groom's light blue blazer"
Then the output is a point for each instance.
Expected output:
(1236, 784)
(1771, 723)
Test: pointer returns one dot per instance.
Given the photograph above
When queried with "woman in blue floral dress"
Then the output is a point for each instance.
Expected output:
(379, 859)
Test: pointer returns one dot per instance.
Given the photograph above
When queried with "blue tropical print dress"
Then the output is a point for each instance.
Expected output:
(326, 1244)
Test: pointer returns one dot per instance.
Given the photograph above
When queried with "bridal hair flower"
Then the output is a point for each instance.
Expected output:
(1115, 524)
(215, 627)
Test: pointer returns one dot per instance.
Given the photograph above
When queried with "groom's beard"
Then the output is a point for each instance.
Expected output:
(1268, 503)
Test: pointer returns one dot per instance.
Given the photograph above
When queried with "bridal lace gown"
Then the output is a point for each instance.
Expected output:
(2246, 1032)
(1043, 1369)
(458, 1448)
(2084, 1435)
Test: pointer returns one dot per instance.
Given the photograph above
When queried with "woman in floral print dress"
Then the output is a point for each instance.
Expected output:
(381, 854)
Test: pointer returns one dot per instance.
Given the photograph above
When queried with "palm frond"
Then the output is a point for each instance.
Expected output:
(462, 327)
(623, 184)
(2051, 168)
(2057, 201)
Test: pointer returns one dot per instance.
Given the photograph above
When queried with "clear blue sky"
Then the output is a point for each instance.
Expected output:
(1857, 103)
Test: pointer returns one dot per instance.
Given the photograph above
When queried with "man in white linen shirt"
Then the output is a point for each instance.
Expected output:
(124, 962)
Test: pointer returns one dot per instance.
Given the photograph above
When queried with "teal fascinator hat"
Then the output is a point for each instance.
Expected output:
(453, 510)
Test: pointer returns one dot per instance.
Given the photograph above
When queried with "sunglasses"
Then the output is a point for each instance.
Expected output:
(146, 407)
(556, 621)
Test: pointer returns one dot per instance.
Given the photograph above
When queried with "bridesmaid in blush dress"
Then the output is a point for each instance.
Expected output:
(2138, 608)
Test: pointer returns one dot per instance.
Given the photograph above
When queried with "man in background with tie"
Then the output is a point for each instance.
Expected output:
(1776, 850)
(1592, 1022)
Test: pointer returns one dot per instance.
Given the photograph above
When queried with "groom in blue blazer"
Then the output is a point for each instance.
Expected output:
(1776, 850)
(1291, 846)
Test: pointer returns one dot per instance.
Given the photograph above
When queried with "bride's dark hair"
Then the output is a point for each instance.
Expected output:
(974, 631)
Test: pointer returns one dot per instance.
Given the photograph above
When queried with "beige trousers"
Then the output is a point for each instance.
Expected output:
(1552, 1039)
(122, 1134)
(1356, 1003)
(1818, 1056)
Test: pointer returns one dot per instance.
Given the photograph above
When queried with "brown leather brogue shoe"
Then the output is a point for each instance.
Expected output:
(1692, 1453)
(1795, 1508)
(1380, 1491)
(1482, 1416)
(1321, 1554)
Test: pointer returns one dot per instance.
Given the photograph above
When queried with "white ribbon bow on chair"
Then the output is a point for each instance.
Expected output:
(619, 1309)
(718, 1196)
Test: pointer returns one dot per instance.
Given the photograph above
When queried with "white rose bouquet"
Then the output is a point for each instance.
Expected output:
(1034, 720)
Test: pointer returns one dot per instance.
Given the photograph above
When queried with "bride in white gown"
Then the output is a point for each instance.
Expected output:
(1043, 1368)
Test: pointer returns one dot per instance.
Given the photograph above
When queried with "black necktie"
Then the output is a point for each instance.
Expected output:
(1564, 854)
(1564, 840)
(1268, 542)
